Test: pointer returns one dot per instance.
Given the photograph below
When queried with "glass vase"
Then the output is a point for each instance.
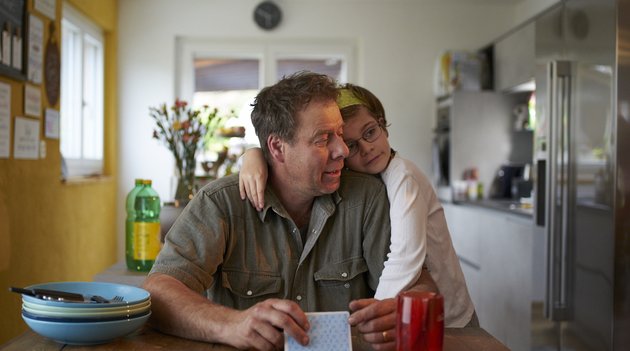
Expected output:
(185, 189)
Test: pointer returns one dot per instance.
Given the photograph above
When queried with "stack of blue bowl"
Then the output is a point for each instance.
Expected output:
(85, 323)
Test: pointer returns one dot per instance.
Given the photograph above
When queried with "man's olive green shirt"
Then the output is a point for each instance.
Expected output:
(222, 246)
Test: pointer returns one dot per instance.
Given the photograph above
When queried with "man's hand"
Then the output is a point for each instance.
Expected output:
(261, 326)
(178, 310)
(376, 321)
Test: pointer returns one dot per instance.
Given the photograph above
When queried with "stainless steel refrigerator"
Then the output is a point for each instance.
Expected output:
(582, 161)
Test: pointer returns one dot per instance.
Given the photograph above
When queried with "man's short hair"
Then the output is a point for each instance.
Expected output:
(276, 106)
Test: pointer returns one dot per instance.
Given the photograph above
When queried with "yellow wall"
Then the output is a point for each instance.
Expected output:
(49, 230)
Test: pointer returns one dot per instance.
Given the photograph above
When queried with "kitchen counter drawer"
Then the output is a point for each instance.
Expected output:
(496, 251)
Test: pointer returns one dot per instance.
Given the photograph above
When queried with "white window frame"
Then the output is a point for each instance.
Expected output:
(267, 51)
(82, 95)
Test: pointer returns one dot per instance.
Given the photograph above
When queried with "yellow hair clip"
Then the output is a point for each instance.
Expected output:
(347, 98)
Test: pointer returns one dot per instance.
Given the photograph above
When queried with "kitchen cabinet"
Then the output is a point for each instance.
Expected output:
(480, 133)
(496, 252)
(514, 58)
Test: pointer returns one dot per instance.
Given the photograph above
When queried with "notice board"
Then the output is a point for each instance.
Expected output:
(13, 33)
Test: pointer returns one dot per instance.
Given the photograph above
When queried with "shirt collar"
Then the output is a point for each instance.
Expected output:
(327, 202)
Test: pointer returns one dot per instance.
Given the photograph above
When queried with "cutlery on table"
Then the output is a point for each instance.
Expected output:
(65, 296)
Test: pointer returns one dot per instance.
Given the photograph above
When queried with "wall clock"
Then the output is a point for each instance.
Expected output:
(267, 15)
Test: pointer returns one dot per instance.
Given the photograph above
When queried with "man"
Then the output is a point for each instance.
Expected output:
(318, 244)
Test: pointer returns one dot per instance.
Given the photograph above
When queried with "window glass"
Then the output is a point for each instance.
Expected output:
(81, 111)
(230, 85)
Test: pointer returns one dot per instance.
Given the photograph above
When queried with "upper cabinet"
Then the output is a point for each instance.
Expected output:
(514, 59)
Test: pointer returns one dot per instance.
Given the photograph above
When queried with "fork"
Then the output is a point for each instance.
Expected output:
(100, 299)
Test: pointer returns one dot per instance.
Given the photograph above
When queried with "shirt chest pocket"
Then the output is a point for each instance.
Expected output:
(251, 284)
(341, 273)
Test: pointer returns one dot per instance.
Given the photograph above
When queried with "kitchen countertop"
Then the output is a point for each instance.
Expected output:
(504, 205)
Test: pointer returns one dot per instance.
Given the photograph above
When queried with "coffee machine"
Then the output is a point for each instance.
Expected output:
(511, 181)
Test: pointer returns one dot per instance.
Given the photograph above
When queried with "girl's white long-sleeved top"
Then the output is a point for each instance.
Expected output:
(419, 236)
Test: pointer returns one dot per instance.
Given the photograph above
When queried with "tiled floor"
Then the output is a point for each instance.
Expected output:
(544, 334)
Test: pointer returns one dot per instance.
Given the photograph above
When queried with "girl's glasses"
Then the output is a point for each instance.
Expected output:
(370, 135)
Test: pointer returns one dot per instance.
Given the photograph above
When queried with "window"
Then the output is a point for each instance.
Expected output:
(228, 75)
(82, 91)
(232, 84)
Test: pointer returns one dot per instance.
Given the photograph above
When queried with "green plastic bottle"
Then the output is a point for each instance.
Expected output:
(145, 242)
(131, 217)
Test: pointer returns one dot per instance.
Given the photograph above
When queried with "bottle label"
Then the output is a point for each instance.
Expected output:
(146, 241)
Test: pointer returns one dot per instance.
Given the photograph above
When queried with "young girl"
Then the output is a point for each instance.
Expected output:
(419, 234)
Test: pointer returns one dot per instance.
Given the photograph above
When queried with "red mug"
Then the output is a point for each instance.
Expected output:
(419, 321)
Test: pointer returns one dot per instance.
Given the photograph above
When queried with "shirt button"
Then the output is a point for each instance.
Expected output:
(249, 293)
(299, 297)
(344, 274)
(346, 285)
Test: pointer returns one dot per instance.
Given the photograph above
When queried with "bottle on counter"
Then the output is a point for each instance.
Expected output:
(144, 244)
(472, 191)
(480, 190)
(130, 219)
(472, 180)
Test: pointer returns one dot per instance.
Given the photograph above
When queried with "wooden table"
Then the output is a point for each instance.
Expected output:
(463, 339)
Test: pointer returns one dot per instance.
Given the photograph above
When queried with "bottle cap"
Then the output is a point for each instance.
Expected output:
(147, 181)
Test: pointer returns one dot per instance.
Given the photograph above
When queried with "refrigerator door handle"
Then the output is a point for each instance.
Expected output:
(541, 192)
(557, 306)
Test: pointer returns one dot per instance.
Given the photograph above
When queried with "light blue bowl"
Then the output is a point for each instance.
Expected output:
(132, 295)
(89, 319)
(86, 333)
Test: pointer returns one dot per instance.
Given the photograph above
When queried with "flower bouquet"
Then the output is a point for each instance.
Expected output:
(185, 130)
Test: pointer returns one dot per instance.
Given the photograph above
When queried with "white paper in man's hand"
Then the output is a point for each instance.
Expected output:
(329, 331)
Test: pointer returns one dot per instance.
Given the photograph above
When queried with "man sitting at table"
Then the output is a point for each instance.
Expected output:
(318, 244)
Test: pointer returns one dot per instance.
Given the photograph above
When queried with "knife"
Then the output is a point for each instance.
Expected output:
(51, 295)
